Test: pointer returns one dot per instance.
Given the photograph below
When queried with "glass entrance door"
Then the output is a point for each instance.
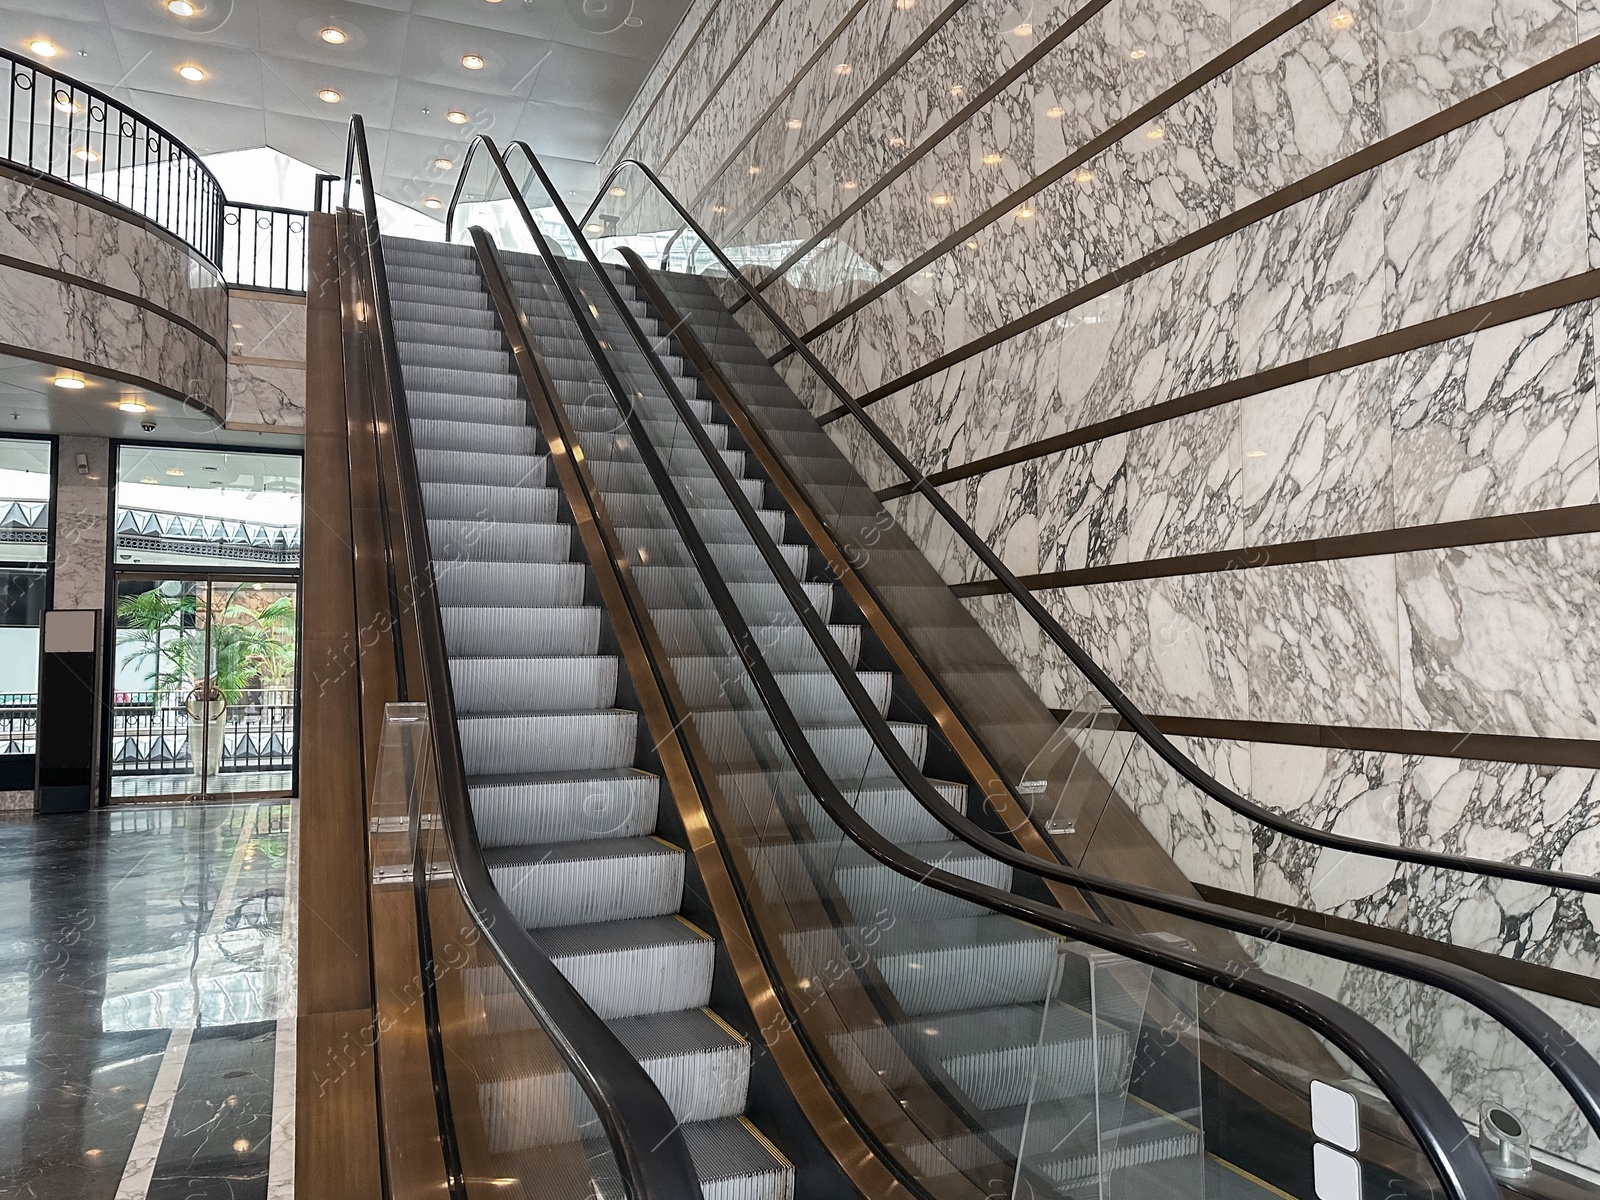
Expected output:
(204, 683)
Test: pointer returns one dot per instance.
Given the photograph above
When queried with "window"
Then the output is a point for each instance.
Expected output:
(207, 508)
(24, 557)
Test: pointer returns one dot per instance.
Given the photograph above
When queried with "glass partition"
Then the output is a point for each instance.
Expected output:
(950, 1029)
(184, 506)
(522, 1124)
(24, 577)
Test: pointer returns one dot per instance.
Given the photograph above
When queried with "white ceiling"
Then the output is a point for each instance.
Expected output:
(547, 78)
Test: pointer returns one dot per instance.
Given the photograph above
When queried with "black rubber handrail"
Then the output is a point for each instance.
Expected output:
(644, 1136)
(1554, 1045)
(1136, 719)
(1422, 1106)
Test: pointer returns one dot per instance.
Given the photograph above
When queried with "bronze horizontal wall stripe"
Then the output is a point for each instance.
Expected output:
(784, 94)
(1513, 972)
(1002, 81)
(1575, 289)
(1425, 743)
(1190, 84)
(1551, 71)
(827, 135)
(649, 111)
(90, 285)
(1475, 531)
(711, 93)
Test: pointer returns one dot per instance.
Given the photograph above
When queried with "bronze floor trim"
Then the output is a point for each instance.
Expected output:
(1423, 743)
(1476, 531)
(1575, 289)
(872, 89)
(1536, 78)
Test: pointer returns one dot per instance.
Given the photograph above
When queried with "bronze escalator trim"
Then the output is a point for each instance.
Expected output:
(639, 645)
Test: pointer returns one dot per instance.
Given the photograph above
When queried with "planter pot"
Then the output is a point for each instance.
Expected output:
(207, 721)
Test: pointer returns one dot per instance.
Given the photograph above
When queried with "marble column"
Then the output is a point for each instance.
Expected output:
(81, 516)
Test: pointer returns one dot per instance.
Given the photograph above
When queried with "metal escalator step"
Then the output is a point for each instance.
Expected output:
(685, 632)
(445, 315)
(985, 961)
(701, 1065)
(885, 804)
(587, 882)
(869, 887)
(760, 603)
(814, 696)
(462, 466)
(503, 411)
(517, 743)
(629, 968)
(473, 437)
(470, 501)
(627, 477)
(736, 1162)
(498, 382)
(454, 358)
(632, 512)
(498, 539)
(422, 333)
(563, 806)
(444, 296)
(462, 275)
(505, 585)
(527, 629)
(509, 684)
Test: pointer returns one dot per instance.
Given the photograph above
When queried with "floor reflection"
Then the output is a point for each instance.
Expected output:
(119, 931)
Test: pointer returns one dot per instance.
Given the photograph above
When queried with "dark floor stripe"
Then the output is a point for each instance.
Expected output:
(219, 1131)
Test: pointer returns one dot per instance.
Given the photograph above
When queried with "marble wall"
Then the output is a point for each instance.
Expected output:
(97, 289)
(266, 362)
(81, 513)
(1358, 264)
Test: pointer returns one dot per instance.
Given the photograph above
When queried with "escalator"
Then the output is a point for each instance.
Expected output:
(647, 671)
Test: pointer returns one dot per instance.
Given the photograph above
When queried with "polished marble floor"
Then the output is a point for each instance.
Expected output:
(147, 999)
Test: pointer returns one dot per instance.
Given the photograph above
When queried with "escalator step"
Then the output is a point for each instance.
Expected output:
(506, 684)
(628, 968)
(564, 806)
(487, 629)
(526, 743)
(580, 883)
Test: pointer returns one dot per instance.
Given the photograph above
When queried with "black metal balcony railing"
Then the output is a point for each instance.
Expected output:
(150, 734)
(19, 722)
(65, 130)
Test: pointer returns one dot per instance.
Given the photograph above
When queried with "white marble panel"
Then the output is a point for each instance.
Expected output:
(1323, 642)
(1317, 459)
(1499, 422)
(269, 328)
(266, 398)
(1501, 638)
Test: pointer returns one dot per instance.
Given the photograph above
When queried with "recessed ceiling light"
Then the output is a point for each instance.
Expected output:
(972, 245)
(1156, 134)
(456, 117)
(957, 89)
(44, 49)
(993, 158)
(1342, 19)
(1137, 54)
(175, 471)
(69, 383)
(84, 154)
(472, 62)
(719, 208)
(849, 185)
(1055, 112)
(616, 191)
(1025, 213)
(905, 5)
(149, 479)
(180, 8)
(433, 202)
(897, 141)
(843, 69)
(192, 73)
(334, 36)
(753, 169)
(939, 201)
(793, 123)
(442, 164)
(1084, 176)
(594, 228)
(329, 96)
(1024, 30)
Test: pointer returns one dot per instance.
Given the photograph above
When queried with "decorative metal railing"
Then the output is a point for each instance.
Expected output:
(214, 537)
(65, 130)
(150, 734)
(19, 722)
